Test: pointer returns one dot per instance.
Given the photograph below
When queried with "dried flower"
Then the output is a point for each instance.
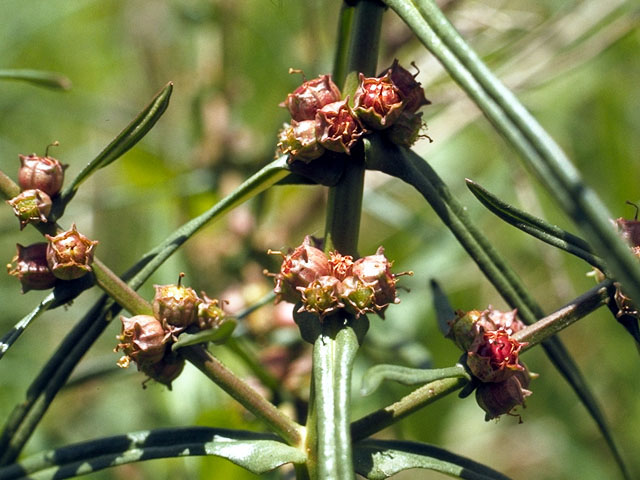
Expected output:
(468, 325)
(176, 306)
(31, 267)
(322, 296)
(70, 254)
(405, 131)
(337, 127)
(298, 140)
(31, 206)
(210, 315)
(375, 271)
(493, 356)
(377, 101)
(42, 173)
(341, 265)
(411, 90)
(143, 340)
(310, 97)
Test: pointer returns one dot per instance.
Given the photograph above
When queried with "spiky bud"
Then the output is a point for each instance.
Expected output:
(210, 314)
(70, 254)
(310, 97)
(493, 356)
(42, 173)
(298, 140)
(337, 127)
(31, 268)
(142, 339)
(377, 101)
(322, 296)
(357, 296)
(176, 306)
(299, 268)
(31, 206)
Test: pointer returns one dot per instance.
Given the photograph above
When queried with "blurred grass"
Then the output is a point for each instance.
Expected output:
(574, 64)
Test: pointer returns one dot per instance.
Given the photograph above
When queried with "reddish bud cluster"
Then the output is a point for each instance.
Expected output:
(492, 357)
(325, 284)
(321, 120)
(147, 339)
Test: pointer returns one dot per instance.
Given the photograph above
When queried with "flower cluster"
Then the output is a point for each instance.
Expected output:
(492, 357)
(322, 120)
(147, 339)
(326, 283)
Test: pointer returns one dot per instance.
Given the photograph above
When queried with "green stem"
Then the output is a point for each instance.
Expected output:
(117, 289)
(280, 423)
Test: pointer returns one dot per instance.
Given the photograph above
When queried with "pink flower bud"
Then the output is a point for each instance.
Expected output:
(31, 267)
(298, 140)
(143, 340)
(299, 268)
(310, 97)
(375, 271)
(176, 306)
(70, 254)
(44, 173)
(337, 127)
(493, 356)
(377, 101)
(468, 325)
(31, 206)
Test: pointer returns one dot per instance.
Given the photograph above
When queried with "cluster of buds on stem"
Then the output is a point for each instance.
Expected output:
(66, 256)
(492, 357)
(40, 180)
(324, 284)
(147, 339)
(322, 120)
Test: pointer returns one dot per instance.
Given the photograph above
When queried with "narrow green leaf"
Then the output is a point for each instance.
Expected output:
(380, 459)
(132, 134)
(374, 377)
(54, 80)
(538, 228)
(257, 452)
(444, 311)
(216, 335)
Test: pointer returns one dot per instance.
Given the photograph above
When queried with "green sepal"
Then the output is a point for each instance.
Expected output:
(217, 335)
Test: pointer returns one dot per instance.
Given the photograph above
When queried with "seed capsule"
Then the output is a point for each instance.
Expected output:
(298, 140)
(322, 296)
(493, 356)
(31, 267)
(310, 97)
(44, 173)
(499, 398)
(143, 340)
(70, 254)
(377, 101)
(411, 90)
(176, 306)
(337, 127)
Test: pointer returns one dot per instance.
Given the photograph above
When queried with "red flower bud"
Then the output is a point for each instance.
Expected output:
(31, 206)
(70, 254)
(493, 356)
(299, 268)
(378, 102)
(468, 325)
(310, 97)
(31, 267)
(411, 90)
(44, 173)
(176, 306)
(499, 398)
(143, 340)
(322, 296)
(337, 127)
(298, 140)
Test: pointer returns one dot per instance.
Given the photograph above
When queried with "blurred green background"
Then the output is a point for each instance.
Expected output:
(574, 64)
